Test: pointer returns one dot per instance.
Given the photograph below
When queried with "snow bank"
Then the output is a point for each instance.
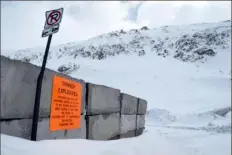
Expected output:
(207, 121)
(143, 145)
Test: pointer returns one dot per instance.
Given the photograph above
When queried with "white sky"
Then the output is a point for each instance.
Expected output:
(22, 22)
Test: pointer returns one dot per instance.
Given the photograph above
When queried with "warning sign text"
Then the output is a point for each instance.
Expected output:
(66, 104)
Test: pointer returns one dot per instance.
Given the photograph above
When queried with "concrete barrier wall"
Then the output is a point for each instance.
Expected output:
(129, 105)
(106, 112)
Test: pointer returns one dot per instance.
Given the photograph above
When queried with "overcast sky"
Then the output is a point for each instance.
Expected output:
(22, 22)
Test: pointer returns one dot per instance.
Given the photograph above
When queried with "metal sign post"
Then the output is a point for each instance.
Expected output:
(53, 19)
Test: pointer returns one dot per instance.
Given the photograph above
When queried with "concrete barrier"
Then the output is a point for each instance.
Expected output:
(129, 106)
(139, 131)
(103, 127)
(142, 107)
(127, 126)
(102, 99)
(18, 128)
(141, 112)
(22, 128)
(106, 113)
(18, 85)
(140, 125)
(44, 133)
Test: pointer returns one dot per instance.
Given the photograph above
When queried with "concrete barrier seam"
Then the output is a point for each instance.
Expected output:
(86, 108)
(136, 117)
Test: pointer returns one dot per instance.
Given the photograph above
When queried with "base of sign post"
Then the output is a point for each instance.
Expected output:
(38, 92)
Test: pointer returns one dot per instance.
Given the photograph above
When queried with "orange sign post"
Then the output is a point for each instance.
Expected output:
(66, 104)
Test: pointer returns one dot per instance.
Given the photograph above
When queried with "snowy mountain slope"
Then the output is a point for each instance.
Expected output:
(191, 43)
(164, 81)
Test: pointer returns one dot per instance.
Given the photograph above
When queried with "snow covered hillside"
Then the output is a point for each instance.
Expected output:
(186, 43)
(184, 72)
(184, 65)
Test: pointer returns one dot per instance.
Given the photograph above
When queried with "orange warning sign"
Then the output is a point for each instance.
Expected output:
(66, 104)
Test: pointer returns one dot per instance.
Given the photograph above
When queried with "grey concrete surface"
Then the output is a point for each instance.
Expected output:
(129, 134)
(127, 123)
(140, 121)
(139, 131)
(44, 132)
(110, 115)
(128, 104)
(18, 128)
(115, 137)
(18, 85)
(22, 128)
(142, 107)
(102, 99)
(103, 127)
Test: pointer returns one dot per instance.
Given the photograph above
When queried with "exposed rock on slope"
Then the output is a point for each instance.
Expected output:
(189, 43)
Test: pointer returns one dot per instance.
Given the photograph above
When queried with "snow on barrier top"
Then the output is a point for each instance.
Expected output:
(105, 112)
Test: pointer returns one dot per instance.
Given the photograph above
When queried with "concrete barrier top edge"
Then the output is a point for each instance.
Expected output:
(14, 61)
(100, 85)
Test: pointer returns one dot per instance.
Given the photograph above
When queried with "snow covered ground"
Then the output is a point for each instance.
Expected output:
(180, 96)
(149, 143)
(156, 140)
